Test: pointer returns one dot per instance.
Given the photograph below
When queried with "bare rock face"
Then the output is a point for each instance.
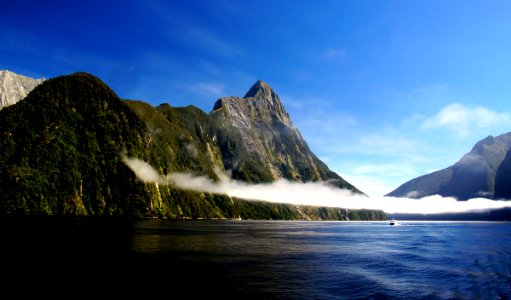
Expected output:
(260, 142)
(14, 87)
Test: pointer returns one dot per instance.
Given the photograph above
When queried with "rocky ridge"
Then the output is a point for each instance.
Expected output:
(14, 87)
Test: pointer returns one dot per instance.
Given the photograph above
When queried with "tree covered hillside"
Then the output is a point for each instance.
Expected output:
(62, 148)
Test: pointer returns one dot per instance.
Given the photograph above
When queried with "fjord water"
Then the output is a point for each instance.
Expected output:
(290, 260)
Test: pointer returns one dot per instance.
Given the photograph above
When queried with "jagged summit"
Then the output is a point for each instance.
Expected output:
(261, 101)
(268, 146)
(15, 87)
(260, 89)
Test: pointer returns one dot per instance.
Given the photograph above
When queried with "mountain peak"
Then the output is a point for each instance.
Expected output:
(14, 87)
(487, 141)
(260, 88)
(260, 100)
(259, 127)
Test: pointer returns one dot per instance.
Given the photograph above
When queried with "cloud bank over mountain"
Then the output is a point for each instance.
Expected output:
(310, 193)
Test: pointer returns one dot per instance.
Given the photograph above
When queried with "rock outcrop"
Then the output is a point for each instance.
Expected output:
(260, 143)
(14, 87)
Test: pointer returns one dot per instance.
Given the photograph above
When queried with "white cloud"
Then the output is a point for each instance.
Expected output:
(144, 171)
(309, 193)
(374, 159)
(326, 131)
(192, 150)
(462, 120)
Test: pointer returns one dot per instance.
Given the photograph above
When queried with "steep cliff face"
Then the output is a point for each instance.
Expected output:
(472, 176)
(14, 87)
(259, 142)
(503, 179)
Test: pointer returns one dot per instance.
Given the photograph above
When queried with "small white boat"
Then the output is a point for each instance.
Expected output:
(394, 222)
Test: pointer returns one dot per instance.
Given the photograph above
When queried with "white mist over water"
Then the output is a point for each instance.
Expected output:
(309, 193)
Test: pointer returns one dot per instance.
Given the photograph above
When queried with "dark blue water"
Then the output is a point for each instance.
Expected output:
(290, 260)
(320, 260)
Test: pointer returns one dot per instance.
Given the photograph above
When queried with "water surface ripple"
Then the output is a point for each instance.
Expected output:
(256, 259)
(337, 260)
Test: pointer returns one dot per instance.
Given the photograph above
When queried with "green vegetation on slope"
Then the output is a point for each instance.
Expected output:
(61, 154)
(60, 151)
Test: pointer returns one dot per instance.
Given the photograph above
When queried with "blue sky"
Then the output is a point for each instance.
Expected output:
(383, 91)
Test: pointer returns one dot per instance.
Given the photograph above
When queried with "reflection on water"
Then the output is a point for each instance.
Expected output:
(270, 259)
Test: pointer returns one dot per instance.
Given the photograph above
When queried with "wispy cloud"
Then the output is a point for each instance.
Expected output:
(429, 91)
(309, 193)
(212, 89)
(144, 171)
(189, 30)
(336, 54)
(387, 142)
(322, 121)
(201, 38)
(374, 159)
(202, 84)
(61, 58)
(293, 103)
(461, 119)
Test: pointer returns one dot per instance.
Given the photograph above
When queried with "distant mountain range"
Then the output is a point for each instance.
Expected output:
(14, 87)
(483, 172)
(61, 153)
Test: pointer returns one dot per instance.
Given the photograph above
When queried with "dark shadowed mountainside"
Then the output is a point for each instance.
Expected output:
(60, 151)
(503, 179)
